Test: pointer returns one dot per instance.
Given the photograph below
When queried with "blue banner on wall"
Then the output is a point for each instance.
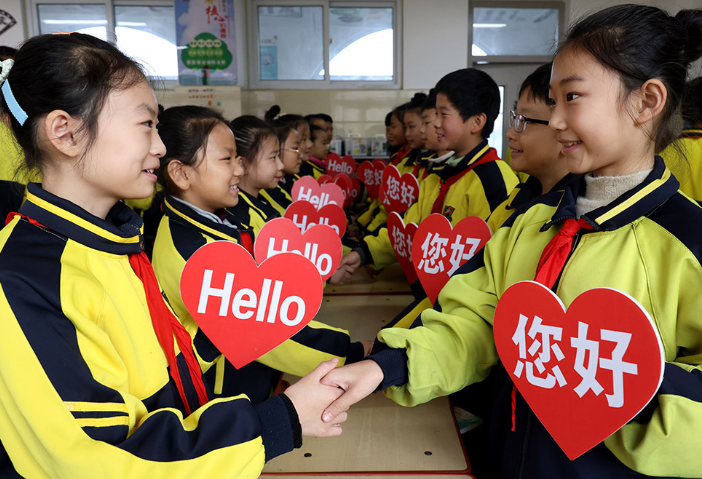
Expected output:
(206, 42)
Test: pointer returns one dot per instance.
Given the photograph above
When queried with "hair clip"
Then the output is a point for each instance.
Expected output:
(16, 110)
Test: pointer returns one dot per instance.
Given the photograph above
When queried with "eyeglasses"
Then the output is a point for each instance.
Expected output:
(519, 122)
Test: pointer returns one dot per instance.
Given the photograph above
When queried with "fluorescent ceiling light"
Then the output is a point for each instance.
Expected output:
(75, 22)
(489, 25)
(131, 24)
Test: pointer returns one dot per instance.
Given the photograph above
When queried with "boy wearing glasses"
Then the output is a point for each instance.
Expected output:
(533, 146)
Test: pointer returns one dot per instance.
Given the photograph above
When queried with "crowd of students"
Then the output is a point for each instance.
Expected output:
(104, 373)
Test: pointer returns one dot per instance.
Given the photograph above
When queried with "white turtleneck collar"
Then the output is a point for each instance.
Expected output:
(602, 190)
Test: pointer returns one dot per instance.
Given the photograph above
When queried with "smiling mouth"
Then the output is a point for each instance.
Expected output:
(572, 143)
(150, 170)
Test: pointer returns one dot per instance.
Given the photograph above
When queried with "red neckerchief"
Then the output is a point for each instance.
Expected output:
(166, 325)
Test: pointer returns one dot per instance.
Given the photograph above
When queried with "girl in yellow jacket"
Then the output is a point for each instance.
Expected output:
(200, 184)
(615, 89)
(97, 378)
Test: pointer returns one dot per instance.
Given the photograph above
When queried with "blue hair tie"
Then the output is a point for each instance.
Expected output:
(16, 110)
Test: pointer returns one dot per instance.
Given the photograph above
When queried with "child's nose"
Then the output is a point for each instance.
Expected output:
(158, 149)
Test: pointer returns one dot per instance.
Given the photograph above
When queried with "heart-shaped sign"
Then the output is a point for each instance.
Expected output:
(585, 372)
(346, 165)
(355, 188)
(244, 309)
(344, 182)
(324, 179)
(332, 156)
(439, 250)
(397, 193)
(401, 237)
(306, 188)
(319, 244)
(304, 215)
(371, 175)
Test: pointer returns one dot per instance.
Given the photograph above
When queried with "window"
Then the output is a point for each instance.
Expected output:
(509, 32)
(323, 44)
(144, 31)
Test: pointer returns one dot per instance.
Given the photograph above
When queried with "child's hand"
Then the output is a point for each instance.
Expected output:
(367, 346)
(359, 380)
(310, 397)
(341, 275)
(352, 260)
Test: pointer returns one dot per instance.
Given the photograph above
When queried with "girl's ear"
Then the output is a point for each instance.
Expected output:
(477, 123)
(63, 133)
(650, 101)
(178, 172)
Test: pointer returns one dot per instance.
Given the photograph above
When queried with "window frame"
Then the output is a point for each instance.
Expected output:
(255, 83)
(34, 29)
(478, 60)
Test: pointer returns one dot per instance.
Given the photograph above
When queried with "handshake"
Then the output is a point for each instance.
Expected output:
(322, 398)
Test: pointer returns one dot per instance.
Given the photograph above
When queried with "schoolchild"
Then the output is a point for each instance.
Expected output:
(93, 381)
(289, 140)
(437, 155)
(375, 213)
(615, 89)
(472, 183)
(684, 155)
(201, 183)
(533, 145)
(315, 120)
(258, 146)
(328, 124)
(320, 146)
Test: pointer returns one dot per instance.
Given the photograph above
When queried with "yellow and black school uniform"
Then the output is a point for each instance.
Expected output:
(312, 167)
(473, 185)
(646, 243)
(13, 178)
(182, 231)
(85, 388)
(684, 159)
(280, 197)
(252, 213)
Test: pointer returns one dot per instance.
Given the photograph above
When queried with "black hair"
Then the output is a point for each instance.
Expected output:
(7, 52)
(184, 130)
(472, 92)
(325, 117)
(692, 102)
(638, 43)
(250, 132)
(415, 104)
(399, 113)
(316, 130)
(430, 102)
(388, 118)
(313, 116)
(537, 84)
(72, 72)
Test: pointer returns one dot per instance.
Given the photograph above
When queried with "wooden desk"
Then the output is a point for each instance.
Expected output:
(362, 316)
(381, 438)
(390, 281)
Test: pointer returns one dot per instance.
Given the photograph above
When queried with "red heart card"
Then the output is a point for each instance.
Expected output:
(439, 250)
(346, 165)
(332, 156)
(371, 175)
(304, 215)
(319, 244)
(306, 188)
(355, 188)
(244, 309)
(397, 193)
(585, 372)
(344, 182)
(324, 179)
(401, 237)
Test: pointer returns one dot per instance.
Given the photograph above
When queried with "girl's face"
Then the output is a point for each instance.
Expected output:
(535, 150)
(127, 148)
(305, 142)
(413, 123)
(396, 132)
(428, 132)
(591, 121)
(320, 146)
(214, 181)
(267, 168)
(291, 154)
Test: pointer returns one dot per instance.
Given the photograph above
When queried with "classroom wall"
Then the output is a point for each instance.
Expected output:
(434, 39)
